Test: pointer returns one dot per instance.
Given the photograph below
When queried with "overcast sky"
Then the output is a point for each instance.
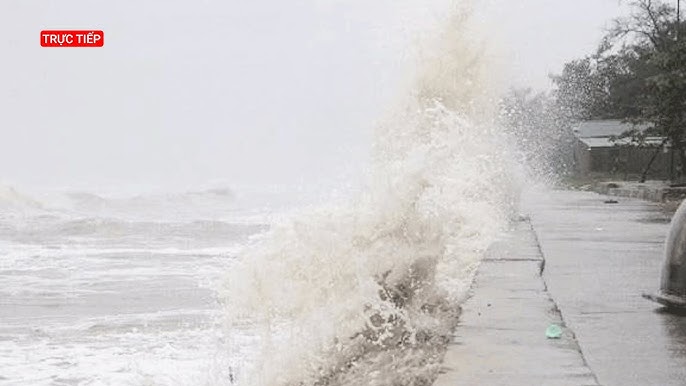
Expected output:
(264, 91)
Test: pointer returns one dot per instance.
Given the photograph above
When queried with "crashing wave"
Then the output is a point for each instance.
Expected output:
(369, 293)
(344, 290)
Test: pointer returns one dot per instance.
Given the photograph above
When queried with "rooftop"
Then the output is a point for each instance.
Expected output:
(605, 128)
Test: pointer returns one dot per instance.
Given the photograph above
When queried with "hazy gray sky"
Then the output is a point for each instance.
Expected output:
(536, 37)
(185, 92)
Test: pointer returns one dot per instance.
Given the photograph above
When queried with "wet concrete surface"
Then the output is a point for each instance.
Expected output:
(599, 258)
(501, 336)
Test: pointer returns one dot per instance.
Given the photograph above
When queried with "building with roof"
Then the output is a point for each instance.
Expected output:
(601, 150)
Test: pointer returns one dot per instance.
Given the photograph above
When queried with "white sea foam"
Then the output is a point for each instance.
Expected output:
(367, 293)
(116, 290)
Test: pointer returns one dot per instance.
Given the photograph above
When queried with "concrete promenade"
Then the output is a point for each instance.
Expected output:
(598, 259)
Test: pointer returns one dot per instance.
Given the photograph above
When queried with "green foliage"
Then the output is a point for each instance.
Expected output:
(638, 74)
(666, 98)
(609, 86)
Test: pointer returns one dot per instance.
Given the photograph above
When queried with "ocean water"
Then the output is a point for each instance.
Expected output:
(96, 290)
(210, 287)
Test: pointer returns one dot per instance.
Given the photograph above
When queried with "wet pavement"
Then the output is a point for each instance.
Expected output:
(599, 258)
(501, 336)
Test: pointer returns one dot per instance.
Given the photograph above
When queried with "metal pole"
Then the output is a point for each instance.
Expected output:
(678, 18)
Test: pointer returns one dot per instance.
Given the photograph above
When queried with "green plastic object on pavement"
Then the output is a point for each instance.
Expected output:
(553, 331)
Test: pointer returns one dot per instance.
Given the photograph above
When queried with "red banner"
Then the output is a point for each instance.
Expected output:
(62, 38)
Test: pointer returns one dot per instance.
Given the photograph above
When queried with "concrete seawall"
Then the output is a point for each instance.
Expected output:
(501, 338)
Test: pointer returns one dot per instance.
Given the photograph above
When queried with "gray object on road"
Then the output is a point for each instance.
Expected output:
(673, 284)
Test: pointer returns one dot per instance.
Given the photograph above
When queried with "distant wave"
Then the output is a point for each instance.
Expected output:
(123, 228)
(11, 199)
(155, 205)
(87, 199)
(210, 203)
(91, 200)
(144, 231)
